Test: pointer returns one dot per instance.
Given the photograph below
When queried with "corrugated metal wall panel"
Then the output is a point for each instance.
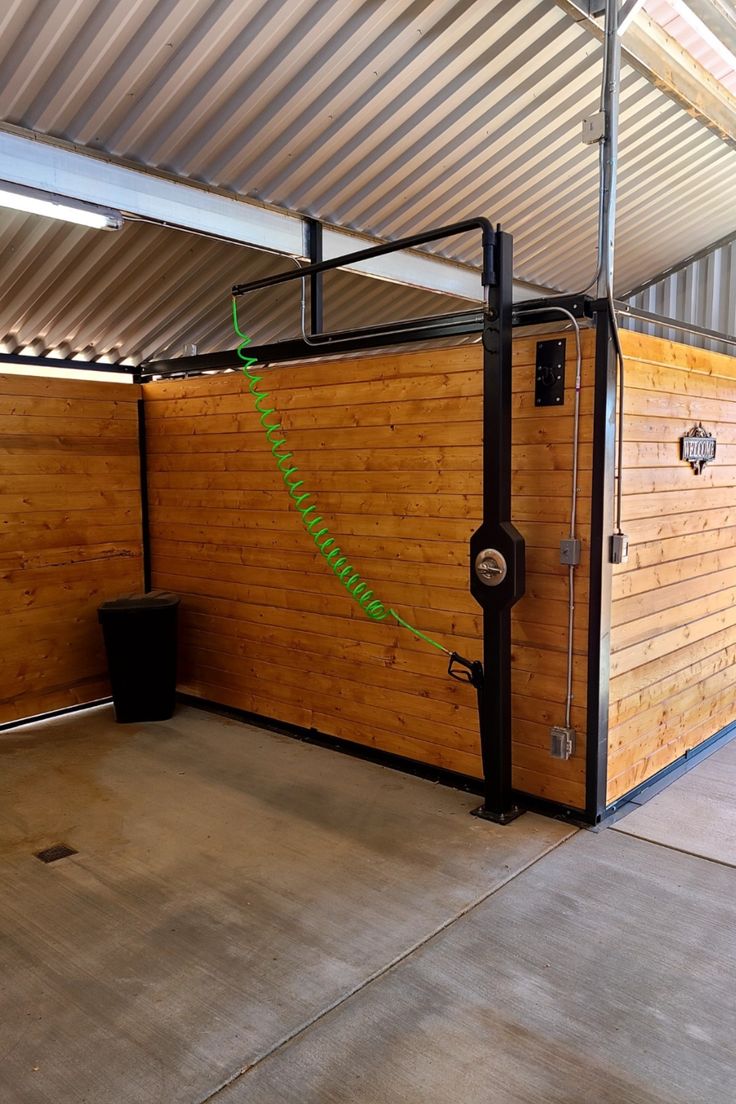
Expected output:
(703, 294)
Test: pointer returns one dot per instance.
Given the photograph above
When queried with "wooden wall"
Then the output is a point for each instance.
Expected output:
(542, 485)
(673, 662)
(70, 534)
(391, 446)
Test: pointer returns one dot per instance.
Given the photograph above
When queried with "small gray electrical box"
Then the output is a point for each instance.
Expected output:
(594, 128)
(562, 742)
(619, 548)
(570, 552)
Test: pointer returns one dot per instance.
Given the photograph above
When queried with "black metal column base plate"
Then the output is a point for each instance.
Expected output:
(497, 818)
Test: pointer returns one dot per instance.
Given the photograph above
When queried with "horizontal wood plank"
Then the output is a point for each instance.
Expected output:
(70, 534)
(672, 667)
(391, 446)
(69, 389)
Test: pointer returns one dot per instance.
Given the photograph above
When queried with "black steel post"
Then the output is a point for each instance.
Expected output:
(498, 544)
(143, 476)
(316, 298)
(601, 528)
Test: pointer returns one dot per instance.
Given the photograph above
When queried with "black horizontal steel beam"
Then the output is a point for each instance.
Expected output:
(195, 365)
(455, 228)
(458, 324)
(536, 312)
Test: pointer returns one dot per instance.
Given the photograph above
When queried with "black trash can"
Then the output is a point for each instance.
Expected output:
(140, 641)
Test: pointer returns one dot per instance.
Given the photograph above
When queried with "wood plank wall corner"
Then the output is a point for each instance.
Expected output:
(70, 535)
(673, 644)
(391, 445)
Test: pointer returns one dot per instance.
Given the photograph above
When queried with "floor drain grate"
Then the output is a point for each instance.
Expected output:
(53, 854)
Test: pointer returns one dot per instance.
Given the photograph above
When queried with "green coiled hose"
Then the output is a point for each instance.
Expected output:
(356, 587)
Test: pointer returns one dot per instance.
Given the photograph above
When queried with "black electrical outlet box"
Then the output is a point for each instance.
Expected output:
(549, 379)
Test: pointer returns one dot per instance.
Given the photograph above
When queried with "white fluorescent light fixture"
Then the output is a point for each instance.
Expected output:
(37, 202)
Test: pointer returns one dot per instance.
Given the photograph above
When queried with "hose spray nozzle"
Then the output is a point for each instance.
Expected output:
(465, 670)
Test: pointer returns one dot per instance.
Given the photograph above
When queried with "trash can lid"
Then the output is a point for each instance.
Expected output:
(154, 599)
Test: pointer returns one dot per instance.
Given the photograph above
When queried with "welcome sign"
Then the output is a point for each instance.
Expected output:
(698, 447)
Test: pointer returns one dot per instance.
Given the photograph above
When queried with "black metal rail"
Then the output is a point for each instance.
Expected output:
(143, 480)
(537, 312)
(436, 327)
(488, 241)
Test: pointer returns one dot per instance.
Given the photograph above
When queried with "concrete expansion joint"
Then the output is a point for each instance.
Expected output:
(671, 847)
(397, 961)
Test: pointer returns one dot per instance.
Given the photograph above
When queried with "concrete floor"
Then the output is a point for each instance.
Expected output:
(696, 814)
(251, 919)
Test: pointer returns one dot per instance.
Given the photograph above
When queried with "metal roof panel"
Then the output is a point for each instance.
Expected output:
(383, 117)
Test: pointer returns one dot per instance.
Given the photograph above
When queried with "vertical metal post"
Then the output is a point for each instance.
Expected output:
(496, 509)
(601, 525)
(609, 173)
(143, 476)
(316, 299)
(497, 549)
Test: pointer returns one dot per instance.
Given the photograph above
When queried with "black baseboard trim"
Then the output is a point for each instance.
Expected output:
(10, 725)
(388, 759)
(440, 775)
(554, 809)
(663, 778)
(453, 779)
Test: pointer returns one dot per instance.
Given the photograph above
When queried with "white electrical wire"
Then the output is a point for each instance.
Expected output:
(573, 507)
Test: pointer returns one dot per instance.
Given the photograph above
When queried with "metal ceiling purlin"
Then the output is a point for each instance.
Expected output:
(379, 119)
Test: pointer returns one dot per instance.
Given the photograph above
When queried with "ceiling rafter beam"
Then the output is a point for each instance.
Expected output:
(33, 160)
(628, 12)
(647, 48)
(714, 21)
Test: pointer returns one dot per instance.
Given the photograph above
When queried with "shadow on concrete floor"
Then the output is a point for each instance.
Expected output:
(230, 886)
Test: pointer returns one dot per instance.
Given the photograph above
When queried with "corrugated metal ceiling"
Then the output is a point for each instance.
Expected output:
(385, 117)
(146, 292)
